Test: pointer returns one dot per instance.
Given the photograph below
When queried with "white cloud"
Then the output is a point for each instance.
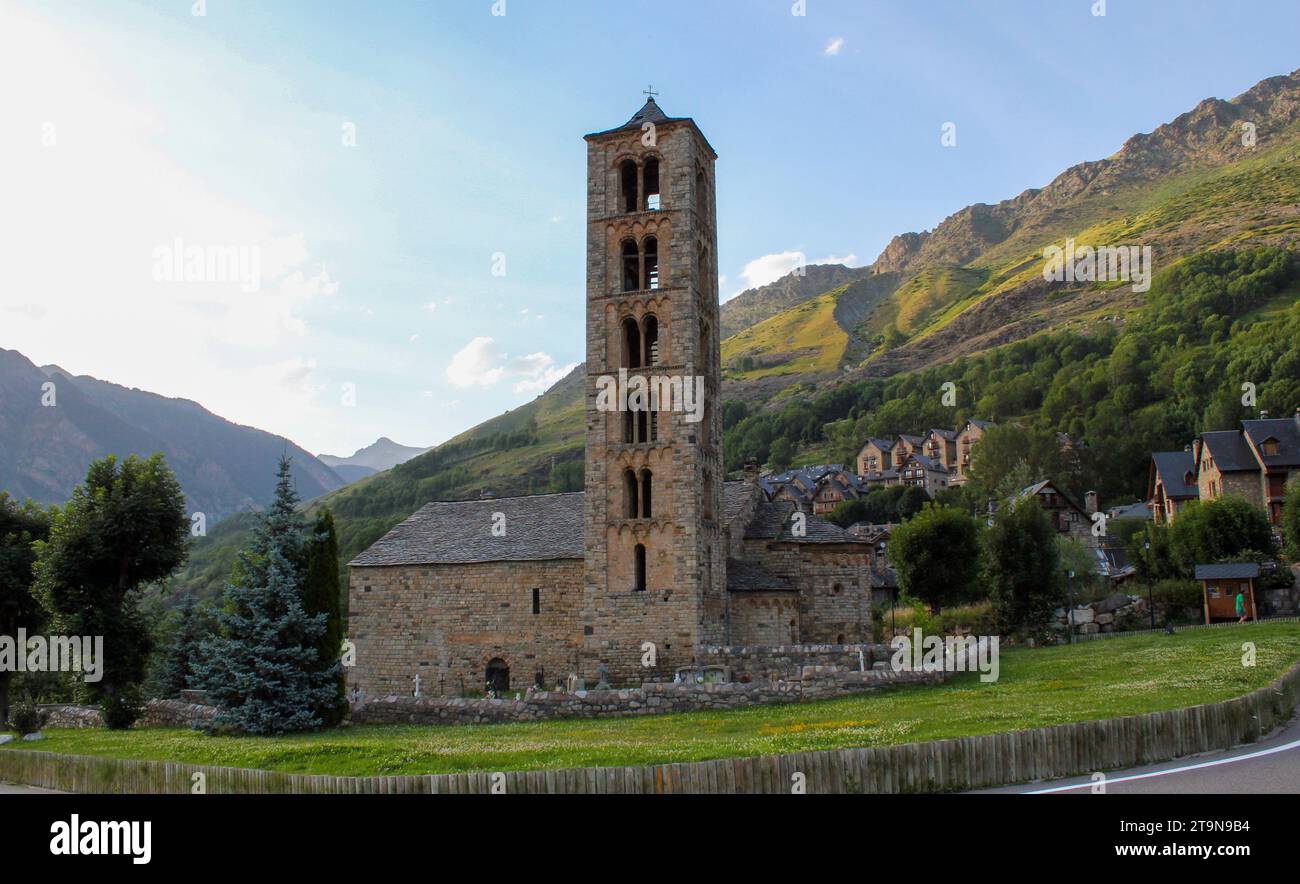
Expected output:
(432, 306)
(480, 363)
(770, 268)
(834, 46)
(476, 364)
(538, 372)
(846, 260)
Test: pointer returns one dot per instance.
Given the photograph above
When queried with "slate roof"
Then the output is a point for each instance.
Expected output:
(884, 578)
(538, 528)
(746, 576)
(650, 112)
(735, 497)
(1285, 430)
(1172, 466)
(773, 520)
(1231, 571)
(927, 463)
(1230, 452)
(1046, 483)
(949, 435)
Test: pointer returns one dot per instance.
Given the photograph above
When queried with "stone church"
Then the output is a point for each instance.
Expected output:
(660, 557)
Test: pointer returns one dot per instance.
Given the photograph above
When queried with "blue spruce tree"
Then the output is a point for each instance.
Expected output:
(263, 671)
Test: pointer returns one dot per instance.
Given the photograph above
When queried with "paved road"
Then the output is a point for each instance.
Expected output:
(11, 789)
(1269, 766)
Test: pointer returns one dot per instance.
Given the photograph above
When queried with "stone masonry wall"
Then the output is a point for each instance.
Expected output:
(834, 589)
(815, 683)
(447, 622)
(759, 662)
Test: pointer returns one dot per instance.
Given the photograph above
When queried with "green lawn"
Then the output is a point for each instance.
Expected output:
(1098, 679)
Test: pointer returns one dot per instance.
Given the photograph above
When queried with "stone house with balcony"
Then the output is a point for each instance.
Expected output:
(1255, 462)
(969, 436)
(1171, 484)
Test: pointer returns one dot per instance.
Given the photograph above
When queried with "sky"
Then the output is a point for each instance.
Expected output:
(386, 199)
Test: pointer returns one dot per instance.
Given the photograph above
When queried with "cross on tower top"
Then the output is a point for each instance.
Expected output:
(650, 90)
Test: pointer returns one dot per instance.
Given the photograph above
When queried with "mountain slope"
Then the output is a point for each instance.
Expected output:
(224, 468)
(752, 306)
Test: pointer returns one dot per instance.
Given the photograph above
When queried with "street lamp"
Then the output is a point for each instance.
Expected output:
(1069, 610)
(1151, 601)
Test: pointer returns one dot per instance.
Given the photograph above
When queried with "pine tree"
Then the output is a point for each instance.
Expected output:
(263, 671)
(322, 597)
(179, 653)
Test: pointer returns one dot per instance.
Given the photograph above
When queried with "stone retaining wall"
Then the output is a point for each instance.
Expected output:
(812, 683)
(757, 662)
(156, 713)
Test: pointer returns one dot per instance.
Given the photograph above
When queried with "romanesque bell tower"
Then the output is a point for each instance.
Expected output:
(655, 568)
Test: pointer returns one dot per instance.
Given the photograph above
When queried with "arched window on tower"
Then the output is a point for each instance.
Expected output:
(629, 427)
(643, 426)
(651, 324)
(651, 249)
(652, 198)
(631, 343)
(627, 180)
(631, 490)
(647, 502)
(707, 490)
(631, 266)
(639, 578)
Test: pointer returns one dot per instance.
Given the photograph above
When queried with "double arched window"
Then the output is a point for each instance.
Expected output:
(640, 264)
(641, 342)
(639, 186)
(638, 494)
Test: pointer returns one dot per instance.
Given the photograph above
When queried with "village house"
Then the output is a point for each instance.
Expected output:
(970, 435)
(1254, 462)
(945, 458)
(919, 471)
(1067, 516)
(1171, 483)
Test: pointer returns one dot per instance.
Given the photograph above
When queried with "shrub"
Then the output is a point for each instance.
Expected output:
(25, 718)
(1181, 598)
(121, 710)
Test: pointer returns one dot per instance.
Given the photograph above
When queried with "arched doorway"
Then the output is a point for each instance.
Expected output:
(498, 675)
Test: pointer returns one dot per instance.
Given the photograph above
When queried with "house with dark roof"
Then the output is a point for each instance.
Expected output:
(1067, 516)
(1171, 483)
(1255, 462)
(881, 462)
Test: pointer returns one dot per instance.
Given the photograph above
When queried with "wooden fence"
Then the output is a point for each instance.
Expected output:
(938, 766)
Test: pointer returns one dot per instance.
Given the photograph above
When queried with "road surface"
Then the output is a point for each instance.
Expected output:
(1269, 766)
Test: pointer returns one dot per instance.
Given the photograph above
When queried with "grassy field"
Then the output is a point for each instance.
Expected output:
(1098, 679)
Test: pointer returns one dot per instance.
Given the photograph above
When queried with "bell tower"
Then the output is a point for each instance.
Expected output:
(654, 557)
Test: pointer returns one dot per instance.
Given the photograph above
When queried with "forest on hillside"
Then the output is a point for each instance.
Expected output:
(1217, 327)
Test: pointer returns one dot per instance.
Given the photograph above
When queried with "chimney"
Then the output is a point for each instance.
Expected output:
(1090, 502)
(751, 470)
(1196, 449)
